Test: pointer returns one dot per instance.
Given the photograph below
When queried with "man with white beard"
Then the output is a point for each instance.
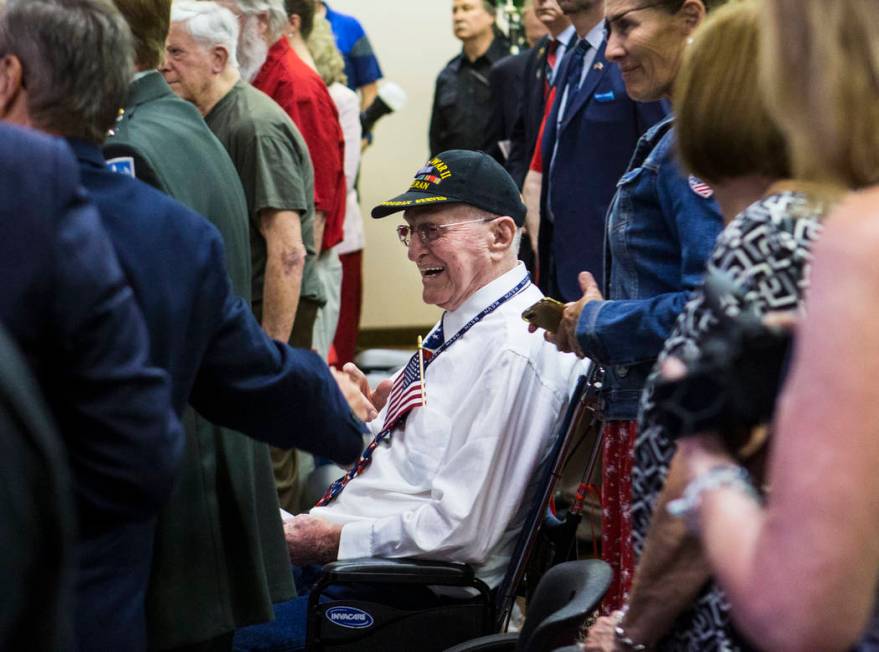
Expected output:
(302, 94)
(269, 154)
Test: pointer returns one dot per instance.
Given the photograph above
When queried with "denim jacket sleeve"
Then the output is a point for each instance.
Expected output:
(631, 331)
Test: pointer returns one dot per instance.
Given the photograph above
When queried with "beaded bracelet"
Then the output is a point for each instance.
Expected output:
(722, 475)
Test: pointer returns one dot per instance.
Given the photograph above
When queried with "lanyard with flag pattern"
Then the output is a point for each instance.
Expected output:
(408, 390)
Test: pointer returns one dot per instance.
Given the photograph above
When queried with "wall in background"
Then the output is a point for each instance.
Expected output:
(413, 40)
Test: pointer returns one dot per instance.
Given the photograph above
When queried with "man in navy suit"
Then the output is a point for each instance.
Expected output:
(537, 82)
(218, 357)
(589, 137)
(65, 303)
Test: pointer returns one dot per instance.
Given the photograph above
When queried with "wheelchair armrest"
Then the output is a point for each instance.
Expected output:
(399, 571)
(492, 643)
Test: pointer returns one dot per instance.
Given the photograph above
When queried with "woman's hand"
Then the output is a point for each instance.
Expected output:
(565, 338)
(601, 636)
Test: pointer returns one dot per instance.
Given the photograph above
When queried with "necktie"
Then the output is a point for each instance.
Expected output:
(575, 69)
(552, 52)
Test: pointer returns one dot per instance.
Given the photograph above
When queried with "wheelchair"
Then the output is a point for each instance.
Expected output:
(340, 625)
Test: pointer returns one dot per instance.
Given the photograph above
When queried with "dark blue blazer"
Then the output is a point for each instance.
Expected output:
(595, 142)
(218, 358)
(66, 304)
(506, 80)
(529, 114)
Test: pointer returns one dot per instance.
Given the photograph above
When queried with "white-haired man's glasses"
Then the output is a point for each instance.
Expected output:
(428, 233)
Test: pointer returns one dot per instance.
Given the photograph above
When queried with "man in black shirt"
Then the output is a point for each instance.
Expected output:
(462, 106)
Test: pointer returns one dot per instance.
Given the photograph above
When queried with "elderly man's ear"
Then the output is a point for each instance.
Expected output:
(219, 59)
(503, 232)
(13, 96)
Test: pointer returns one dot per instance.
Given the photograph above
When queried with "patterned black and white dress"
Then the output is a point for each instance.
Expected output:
(766, 250)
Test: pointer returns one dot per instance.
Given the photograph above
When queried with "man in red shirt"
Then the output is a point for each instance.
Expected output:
(265, 53)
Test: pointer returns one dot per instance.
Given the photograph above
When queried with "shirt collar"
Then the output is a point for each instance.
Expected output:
(568, 36)
(495, 52)
(279, 50)
(454, 320)
(146, 86)
(86, 152)
(595, 37)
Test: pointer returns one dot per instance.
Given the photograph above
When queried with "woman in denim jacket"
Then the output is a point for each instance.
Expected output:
(661, 227)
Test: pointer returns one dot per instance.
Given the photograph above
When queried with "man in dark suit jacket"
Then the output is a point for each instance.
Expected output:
(68, 307)
(544, 62)
(589, 138)
(506, 81)
(217, 355)
(171, 147)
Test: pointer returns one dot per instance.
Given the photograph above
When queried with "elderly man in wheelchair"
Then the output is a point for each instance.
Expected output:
(461, 430)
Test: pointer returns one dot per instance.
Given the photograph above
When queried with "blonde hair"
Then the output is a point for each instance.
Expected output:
(327, 58)
(820, 73)
(724, 129)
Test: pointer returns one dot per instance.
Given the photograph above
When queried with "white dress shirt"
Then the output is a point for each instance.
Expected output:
(450, 484)
(567, 39)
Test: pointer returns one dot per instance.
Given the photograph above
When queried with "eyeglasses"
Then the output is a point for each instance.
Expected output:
(428, 233)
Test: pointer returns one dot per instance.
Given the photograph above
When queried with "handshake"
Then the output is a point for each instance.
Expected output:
(364, 402)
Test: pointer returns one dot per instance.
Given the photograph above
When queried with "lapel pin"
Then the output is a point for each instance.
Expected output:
(598, 66)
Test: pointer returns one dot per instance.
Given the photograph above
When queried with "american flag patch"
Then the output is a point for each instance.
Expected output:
(701, 188)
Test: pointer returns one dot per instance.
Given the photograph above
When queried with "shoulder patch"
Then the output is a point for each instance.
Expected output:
(701, 188)
(122, 165)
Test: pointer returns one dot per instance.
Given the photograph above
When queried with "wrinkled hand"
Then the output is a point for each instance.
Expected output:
(378, 396)
(601, 637)
(357, 400)
(565, 338)
(312, 540)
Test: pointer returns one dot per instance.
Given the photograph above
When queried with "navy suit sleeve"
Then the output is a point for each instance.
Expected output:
(125, 442)
(283, 396)
(632, 331)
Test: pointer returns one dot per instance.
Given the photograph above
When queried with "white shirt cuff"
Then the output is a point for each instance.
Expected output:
(356, 540)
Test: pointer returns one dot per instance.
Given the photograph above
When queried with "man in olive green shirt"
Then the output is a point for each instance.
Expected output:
(275, 169)
(219, 559)
(272, 162)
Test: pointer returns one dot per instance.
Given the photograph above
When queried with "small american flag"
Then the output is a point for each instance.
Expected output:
(407, 393)
(408, 390)
(701, 188)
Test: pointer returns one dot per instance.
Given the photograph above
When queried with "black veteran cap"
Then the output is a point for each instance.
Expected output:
(460, 176)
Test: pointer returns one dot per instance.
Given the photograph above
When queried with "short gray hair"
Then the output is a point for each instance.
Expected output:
(76, 57)
(274, 10)
(210, 24)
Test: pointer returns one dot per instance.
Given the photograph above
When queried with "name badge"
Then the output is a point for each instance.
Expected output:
(122, 165)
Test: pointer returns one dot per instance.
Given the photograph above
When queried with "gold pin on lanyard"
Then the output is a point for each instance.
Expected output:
(421, 370)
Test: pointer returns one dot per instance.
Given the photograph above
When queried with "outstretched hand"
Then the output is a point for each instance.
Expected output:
(378, 396)
(357, 400)
(565, 338)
